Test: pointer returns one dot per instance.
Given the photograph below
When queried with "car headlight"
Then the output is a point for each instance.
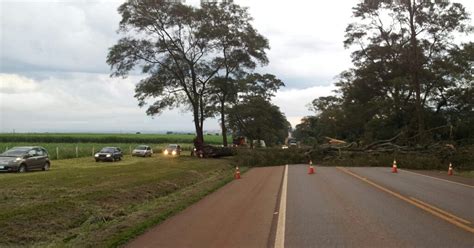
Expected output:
(173, 152)
(108, 155)
(165, 152)
(96, 155)
(17, 159)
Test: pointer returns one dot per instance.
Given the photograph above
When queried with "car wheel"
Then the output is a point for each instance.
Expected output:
(22, 168)
(46, 166)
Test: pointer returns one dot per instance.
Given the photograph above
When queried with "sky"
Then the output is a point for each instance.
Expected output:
(54, 78)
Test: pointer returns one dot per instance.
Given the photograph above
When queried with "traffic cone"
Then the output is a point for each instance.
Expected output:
(237, 173)
(311, 168)
(394, 167)
(450, 170)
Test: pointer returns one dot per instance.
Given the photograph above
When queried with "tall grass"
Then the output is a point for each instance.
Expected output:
(105, 138)
(81, 203)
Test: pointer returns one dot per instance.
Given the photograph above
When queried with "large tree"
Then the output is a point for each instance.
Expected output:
(241, 49)
(182, 50)
(257, 119)
(410, 75)
(400, 46)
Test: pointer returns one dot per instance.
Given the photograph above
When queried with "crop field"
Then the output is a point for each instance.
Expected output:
(81, 203)
(106, 138)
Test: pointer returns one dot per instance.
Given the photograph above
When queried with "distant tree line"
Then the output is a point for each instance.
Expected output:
(199, 58)
(410, 78)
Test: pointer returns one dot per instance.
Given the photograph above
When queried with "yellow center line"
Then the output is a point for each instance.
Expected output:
(441, 211)
(423, 206)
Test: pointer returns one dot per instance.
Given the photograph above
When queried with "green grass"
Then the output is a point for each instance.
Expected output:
(81, 203)
(68, 150)
(468, 174)
(105, 138)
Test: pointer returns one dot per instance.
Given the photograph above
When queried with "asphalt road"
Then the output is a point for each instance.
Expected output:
(335, 207)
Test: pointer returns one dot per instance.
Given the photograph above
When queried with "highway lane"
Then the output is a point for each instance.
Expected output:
(335, 209)
(452, 197)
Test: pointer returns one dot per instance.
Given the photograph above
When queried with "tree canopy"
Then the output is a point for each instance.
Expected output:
(409, 75)
(191, 56)
(258, 119)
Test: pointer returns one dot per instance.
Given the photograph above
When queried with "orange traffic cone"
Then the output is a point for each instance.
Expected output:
(450, 170)
(394, 167)
(311, 168)
(237, 173)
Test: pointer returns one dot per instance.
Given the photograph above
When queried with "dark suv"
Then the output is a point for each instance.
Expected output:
(109, 154)
(22, 159)
(173, 150)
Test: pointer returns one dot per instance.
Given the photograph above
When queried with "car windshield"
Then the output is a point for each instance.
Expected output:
(172, 146)
(141, 148)
(107, 149)
(15, 152)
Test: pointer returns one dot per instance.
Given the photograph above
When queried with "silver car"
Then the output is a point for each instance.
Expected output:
(142, 151)
(22, 159)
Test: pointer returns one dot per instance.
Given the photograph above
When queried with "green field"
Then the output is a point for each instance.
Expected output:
(106, 138)
(81, 203)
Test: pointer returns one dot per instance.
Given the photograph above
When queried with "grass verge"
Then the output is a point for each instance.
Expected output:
(81, 203)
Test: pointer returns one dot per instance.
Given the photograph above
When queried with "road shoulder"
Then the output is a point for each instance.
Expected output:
(239, 214)
(444, 175)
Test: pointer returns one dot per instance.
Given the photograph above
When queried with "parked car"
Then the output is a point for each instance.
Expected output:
(208, 151)
(172, 149)
(109, 154)
(142, 151)
(292, 143)
(25, 158)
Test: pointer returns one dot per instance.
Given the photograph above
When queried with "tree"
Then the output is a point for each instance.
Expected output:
(261, 85)
(401, 44)
(308, 131)
(376, 99)
(242, 48)
(182, 49)
(226, 92)
(257, 119)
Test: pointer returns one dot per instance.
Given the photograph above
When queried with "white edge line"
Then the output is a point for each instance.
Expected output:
(280, 232)
(448, 181)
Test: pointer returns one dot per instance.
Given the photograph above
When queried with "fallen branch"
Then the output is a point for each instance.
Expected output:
(383, 141)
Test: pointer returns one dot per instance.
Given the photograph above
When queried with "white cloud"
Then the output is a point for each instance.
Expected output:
(62, 35)
(83, 102)
(12, 84)
(294, 102)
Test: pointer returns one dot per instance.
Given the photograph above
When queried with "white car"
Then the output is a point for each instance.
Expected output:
(142, 151)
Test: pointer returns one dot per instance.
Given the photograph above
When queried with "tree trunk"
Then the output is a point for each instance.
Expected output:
(415, 70)
(223, 126)
(198, 126)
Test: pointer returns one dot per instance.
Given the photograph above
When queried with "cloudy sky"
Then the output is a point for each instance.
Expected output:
(53, 75)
